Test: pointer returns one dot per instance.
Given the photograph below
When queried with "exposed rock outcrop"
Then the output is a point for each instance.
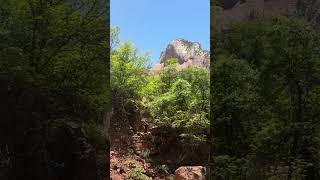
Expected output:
(188, 54)
(233, 11)
(243, 10)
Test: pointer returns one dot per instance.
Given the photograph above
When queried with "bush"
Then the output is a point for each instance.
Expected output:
(138, 174)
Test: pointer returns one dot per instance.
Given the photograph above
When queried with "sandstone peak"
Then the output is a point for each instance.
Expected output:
(188, 54)
(183, 50)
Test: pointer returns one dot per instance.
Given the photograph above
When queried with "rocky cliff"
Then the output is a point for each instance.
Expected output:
(231, 11)
(188, 54)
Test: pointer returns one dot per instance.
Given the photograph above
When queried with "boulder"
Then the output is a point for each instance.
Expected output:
(190, 173)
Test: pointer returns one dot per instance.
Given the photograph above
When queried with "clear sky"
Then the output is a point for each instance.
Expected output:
(152, 24)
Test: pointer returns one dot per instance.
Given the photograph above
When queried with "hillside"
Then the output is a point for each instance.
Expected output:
(160, 122)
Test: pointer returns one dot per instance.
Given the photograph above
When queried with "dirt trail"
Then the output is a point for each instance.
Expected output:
(130, 150)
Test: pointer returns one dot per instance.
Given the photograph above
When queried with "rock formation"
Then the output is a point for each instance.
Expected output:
(232, 11)
(190, 173)
(188, 54)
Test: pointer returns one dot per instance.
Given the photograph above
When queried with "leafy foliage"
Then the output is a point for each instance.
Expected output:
(265, 116)
(127, 76)
(53, 61)
(181, 98)
(138, 174)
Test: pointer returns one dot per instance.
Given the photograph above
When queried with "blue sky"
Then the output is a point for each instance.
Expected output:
(152, 24)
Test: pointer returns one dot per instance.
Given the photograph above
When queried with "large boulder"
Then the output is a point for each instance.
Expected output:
(190, 173)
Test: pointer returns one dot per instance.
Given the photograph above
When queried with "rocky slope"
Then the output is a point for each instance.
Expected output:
(188, 53)
(142, 150)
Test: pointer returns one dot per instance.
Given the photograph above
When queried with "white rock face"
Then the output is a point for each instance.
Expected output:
(188, 53)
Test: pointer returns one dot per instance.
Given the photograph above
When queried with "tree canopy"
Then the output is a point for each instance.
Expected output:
(265, 116)
(53, 64)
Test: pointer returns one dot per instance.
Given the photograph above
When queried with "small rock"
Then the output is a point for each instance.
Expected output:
(120, 170)
(112, 153)
(146, 165)
(117, 177)
(132, 165)
(150, 172)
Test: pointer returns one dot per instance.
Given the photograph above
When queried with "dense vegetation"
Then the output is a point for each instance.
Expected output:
(265, 101)
(176, 99)
(54, 89)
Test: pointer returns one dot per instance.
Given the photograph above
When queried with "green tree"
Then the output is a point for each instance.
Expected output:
(181, 99)
(266, 104)
(128, 76)
(169, 73)
(53, 59)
